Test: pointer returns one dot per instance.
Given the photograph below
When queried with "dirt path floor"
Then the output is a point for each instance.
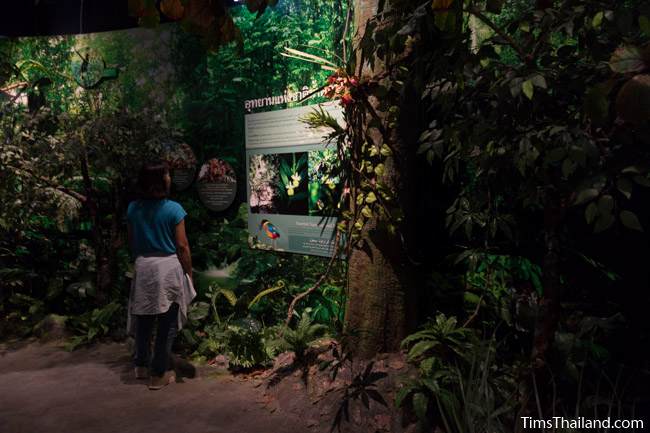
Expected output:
(44, 389)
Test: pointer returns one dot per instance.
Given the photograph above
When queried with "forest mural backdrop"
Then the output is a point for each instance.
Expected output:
(81, 112)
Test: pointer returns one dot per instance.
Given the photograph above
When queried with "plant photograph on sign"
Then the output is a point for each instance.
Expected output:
(263, 178)
(180, 157)
(292, 184)
(217, 171)
(324, 181)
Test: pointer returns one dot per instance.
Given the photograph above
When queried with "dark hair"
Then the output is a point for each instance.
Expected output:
(151, 180)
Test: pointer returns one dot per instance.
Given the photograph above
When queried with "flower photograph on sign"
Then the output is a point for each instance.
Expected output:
(292, 186)
(324, 180)
(278, 183)
(263, 178)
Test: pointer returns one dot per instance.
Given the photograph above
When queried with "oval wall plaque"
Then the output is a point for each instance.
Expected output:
(217, 185)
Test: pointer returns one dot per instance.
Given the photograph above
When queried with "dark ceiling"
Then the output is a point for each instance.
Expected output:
(58, 17)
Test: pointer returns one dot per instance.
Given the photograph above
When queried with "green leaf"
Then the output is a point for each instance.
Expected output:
(568, 167)
(420, 405)
(644, 24)
(371, 198)
(606, 204)
(556, 154)
(630, 220)
(539, 81)
(528, 89)
(627, 59)
(603, 222)
(420, 348)
(597, 20)
(591, 212)
(633, 100)
(625, 187)
(632, 169)
(586, 195)
(423, 147)
(402, 393)
(643, 181)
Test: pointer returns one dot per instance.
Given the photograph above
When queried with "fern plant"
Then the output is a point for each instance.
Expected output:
(298, 340)
(245, 345)
(92, 325)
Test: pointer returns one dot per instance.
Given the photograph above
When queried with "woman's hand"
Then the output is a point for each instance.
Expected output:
(183, 249)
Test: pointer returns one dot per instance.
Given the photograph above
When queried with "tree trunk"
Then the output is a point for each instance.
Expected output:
(549, 308)
(380, 308)
(103, 280)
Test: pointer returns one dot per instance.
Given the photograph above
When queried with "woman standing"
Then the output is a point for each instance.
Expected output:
(162, 283)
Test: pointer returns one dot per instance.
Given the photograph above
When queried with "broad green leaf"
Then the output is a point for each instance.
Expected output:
(627, 59)
(625, 187)
(591, 212)
(539, 81)
(606, 204)
(420, 348)
(630, 220)
(597, 20)
(644, 24)
(586, 195)
(632, 169)
(633, 100)
(402, 393)
(528, 89)
(423, 147)
(371, 198)
(568, 167)
(643, 181)
(556, 154)
(603, 222)
(421, 405)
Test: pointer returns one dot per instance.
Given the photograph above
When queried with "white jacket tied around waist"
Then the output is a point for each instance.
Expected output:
(158, 282)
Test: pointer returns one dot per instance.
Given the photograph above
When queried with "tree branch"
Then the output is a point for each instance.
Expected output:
(481, 16)
(318, 283)
(74, 194)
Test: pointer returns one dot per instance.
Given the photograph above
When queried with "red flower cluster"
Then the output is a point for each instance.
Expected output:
(341, 87)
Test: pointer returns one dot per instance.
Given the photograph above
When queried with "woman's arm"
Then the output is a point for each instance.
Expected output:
(183, 248)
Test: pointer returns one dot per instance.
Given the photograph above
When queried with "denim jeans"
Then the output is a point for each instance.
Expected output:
(165, 335)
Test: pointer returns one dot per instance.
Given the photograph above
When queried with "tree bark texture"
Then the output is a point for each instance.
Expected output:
(380, 307)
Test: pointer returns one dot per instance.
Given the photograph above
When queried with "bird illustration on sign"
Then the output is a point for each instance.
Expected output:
(270, 230)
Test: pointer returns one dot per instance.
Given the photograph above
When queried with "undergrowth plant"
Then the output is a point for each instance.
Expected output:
(300, 338)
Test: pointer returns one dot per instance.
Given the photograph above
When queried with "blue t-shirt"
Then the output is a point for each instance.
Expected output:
(154, 225)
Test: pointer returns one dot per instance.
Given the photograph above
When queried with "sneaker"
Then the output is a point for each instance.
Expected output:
(141, 373)
(158, 382)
